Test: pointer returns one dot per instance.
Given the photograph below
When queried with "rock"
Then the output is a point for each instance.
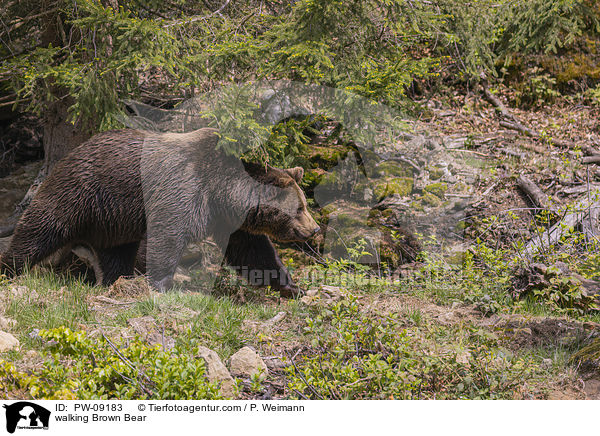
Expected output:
(395, 201)
(454, 141)
(437, 189)
(464, 358)
(325, 295)
(275, 363)
(258, 326)
(441, 113)
(157, 338)
(276, 105)
(246, 362)
(142, 325)
(216, 371)
(334, 292)
(401, 186)
(347, 225)
(8, 342)
(435, 172)
(431, 199)
(7, 323)
(182, 278)
(23, 291)
(591, 389)
(145, 326)
(276, 318)
(393, 168)
(129, 287)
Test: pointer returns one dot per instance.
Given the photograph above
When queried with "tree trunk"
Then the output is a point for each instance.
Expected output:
(60, 136)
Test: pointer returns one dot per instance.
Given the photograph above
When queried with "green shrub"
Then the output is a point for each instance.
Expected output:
(360, 357)
(565, 294)
(79, 367)
(537, 90)
(593, 95)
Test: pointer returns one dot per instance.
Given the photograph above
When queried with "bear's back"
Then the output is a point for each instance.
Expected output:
(94, 193)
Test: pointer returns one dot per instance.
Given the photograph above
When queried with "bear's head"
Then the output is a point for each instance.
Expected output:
(280, 210)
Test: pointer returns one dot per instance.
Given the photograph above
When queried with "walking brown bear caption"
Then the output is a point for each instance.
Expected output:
(167, 189)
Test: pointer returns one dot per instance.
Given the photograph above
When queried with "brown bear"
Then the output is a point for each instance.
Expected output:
(126, 186)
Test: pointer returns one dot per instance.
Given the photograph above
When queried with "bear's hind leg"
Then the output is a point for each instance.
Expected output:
(29, 246)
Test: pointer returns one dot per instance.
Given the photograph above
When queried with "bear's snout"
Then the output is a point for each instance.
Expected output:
(307, 233)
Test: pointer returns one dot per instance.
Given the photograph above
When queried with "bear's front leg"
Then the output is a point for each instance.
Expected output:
(115, 262)
(163, 253)
(255, 259)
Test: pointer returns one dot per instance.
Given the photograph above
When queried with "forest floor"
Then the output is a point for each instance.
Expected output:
(436, 331)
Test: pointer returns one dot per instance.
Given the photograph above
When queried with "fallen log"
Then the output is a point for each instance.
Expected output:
(590, 224)
(585, 213)
(508, 152)
(595, 159)
(515, 125)
(579, 189)
(537, 197)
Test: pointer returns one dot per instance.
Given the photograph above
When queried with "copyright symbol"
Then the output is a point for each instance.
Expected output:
(141, 407)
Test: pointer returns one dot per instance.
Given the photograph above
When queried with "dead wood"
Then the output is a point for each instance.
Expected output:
(537, 197)
(519, 128)
(579, 189)
(595, 159)
(508, 152)
(584, 213)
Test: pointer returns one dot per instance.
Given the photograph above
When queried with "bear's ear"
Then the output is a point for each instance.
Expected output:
(296, 173)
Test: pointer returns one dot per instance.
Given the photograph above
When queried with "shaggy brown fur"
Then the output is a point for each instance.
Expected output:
(124, 186)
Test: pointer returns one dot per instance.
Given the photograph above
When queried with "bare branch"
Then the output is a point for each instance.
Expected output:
(189, 20)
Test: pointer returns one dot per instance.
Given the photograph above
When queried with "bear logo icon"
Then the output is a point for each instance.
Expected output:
(26, 415)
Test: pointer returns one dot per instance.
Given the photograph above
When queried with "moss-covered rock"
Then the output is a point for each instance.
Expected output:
(352, 228)
(402, 186)
(438, 189)
(311, 179)
(455, 257)
(430, 199)
(350, 221)
(329, 180)
(394, 169)
(370, 160)
(417, 205)
(327, 210)
(326, 157)
(573, 66)
(435, 172)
